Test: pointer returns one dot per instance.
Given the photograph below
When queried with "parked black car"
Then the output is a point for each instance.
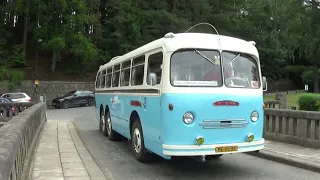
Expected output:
(7, 106)
(74, 98)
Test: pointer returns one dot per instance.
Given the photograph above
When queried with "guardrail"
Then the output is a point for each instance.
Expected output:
(274, 104)
(291, 126)
(8, 110)
(18, 139)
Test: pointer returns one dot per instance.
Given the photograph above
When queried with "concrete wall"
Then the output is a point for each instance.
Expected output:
(18, 139)
(51, 89)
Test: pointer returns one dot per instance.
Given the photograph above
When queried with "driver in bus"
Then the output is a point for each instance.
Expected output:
(215, 73)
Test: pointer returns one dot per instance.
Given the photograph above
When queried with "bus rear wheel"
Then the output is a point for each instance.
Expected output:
(137, 142)
(112, 135)
(103, 124)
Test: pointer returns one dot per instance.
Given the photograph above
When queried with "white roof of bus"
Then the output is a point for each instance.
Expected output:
(190, 40)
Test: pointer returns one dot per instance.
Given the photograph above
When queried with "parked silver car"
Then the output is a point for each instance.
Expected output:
(17, 97)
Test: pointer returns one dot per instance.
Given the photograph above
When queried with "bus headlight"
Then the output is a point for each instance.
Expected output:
(254, 116)
(188, 118)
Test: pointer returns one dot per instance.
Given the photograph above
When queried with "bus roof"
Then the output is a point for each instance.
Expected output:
(172, 42)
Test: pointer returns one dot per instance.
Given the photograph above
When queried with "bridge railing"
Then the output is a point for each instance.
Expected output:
(274, 104)
(292, 126)
(18, 139)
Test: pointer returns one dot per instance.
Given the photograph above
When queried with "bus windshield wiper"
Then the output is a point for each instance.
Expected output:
(234, 58)
(205, 57)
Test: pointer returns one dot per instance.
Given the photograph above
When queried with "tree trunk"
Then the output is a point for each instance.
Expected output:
(25, 30)
(174, 2)
(316, 80)
(313, 30)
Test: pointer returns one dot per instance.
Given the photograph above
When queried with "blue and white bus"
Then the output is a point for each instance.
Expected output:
(187, 94)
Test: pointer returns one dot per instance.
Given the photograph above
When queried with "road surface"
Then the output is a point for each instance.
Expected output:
(117, 158)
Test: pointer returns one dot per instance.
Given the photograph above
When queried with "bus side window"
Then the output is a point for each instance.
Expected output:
(125, 73)
(108, 77)
(137, 71)
(103, 79)
(98, 80)
(154, 65)
(115, 75)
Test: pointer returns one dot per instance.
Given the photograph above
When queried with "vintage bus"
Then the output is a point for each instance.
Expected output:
(187, 94)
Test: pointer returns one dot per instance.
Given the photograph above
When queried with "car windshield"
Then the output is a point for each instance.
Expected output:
(196, 68)
(240, 70)
(4, 100)
(69, 94)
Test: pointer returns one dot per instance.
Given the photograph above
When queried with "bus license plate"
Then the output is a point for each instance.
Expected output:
(227, 149)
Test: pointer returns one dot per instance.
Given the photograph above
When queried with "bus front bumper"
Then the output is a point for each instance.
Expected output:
(212, 149)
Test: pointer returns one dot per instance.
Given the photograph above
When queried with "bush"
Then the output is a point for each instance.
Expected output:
(309, 102)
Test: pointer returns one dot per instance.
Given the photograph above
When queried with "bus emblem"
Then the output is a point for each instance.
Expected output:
(226, 103)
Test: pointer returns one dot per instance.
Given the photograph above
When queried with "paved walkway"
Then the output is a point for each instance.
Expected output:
(62, 156)
(294, 155)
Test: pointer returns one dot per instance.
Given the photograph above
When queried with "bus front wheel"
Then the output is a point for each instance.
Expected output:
(137, 142)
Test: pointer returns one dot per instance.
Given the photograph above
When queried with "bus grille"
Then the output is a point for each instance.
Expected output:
(219, 124)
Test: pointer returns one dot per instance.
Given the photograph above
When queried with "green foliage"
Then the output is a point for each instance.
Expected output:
(90, 32)
(4, 72)
(16, 77)
(307, 77)
(56, 44)
(82, 47)
(296, 69)
(17, 59)
(309, 102)
(7, 63)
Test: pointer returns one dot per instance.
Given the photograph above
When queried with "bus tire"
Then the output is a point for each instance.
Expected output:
(103, 124)
(111, 134)
(137, 142)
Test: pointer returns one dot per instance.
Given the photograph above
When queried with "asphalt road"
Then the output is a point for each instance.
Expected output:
(116, 157)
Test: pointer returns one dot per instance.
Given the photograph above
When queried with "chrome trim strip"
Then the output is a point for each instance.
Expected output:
(211, 146)
(226, 123)
(201, 153)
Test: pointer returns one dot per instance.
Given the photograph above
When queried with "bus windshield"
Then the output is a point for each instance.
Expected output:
(240, 70)
(194, 67)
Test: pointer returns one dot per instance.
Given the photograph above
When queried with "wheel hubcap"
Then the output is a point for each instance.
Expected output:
(109, 125)
(103, 123)
(137, 140)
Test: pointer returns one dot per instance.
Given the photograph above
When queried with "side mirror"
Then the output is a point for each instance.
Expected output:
(74, 95)
(152, 79)
(264, 83)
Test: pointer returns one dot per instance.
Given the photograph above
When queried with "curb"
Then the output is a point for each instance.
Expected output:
(289, 160)
(92, 168)
(108, 175)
